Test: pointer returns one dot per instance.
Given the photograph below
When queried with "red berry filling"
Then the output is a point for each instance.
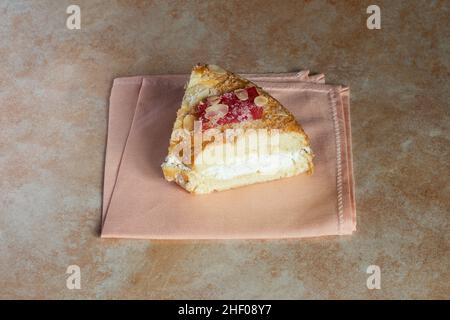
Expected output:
(240, 108)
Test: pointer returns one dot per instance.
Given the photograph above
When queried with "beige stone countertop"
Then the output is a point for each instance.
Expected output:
(54, 89)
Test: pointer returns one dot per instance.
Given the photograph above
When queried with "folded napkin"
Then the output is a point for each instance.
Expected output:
(139, 203)
(122, 107)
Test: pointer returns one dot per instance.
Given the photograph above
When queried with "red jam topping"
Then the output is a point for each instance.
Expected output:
(241, 107)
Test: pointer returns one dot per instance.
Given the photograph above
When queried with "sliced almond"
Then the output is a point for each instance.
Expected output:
(216, 69)
(188, 122)
(242, 94)
(213, 99)
(216, 111)
(261, 101)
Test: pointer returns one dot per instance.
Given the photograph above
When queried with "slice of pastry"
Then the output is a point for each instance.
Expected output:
(230, 133)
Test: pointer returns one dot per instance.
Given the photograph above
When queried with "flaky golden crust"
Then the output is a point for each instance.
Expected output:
(210, 80)
(213, 80)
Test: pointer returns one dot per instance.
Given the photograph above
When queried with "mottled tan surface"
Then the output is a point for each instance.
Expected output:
(54, 86)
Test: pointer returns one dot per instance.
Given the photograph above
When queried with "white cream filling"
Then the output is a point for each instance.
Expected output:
(251, 164)
(264, 164)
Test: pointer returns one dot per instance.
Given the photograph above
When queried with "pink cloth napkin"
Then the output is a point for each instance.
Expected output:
(139, 203)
